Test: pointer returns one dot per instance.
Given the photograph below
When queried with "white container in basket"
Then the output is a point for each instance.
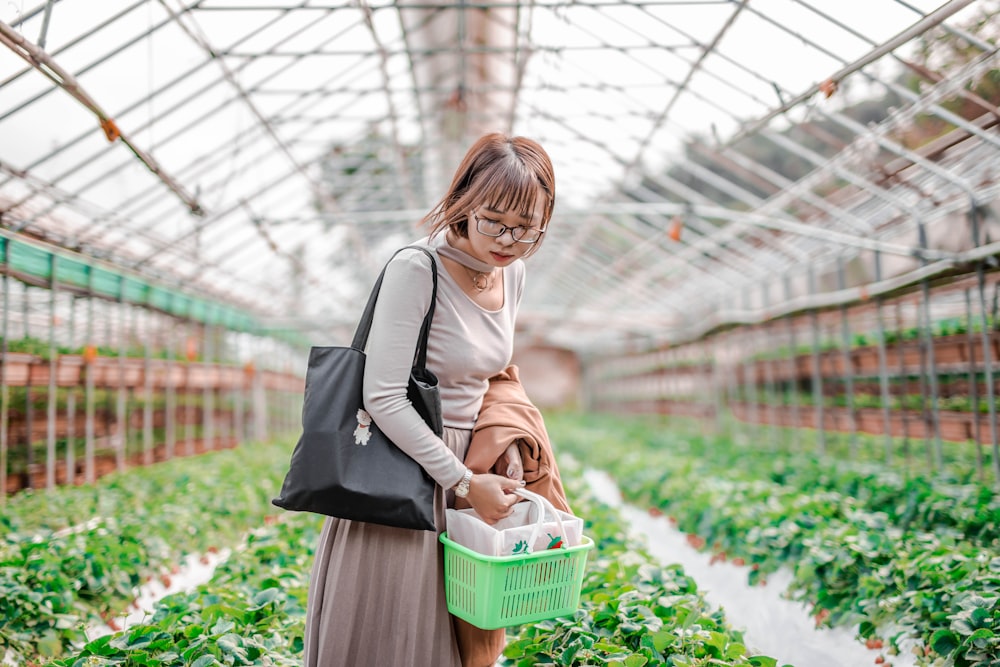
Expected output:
(534, 526)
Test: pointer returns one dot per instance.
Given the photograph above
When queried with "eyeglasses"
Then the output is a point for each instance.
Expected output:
(519, 233)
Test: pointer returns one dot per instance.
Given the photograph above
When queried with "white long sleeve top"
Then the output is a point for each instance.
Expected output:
(467, 345)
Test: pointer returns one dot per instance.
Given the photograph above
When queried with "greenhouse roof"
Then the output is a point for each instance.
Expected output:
(717, 161)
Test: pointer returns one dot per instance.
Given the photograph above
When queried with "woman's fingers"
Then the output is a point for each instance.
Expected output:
(509, 463)
(515, 468)
(491, 496)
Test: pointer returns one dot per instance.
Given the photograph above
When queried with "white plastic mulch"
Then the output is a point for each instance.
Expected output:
(188, 575)
(773, 625)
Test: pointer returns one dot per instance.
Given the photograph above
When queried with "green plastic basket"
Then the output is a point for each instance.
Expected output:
(500, 591)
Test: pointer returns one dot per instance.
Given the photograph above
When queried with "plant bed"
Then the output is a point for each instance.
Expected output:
(903, 557)
(955, 426)
(68, 371)
(951, 352)
(106, 463)
(58, 575)
(17, 368)
(112, 372)
(633, 611)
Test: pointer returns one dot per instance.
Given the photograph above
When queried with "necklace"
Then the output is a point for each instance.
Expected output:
(480, 273)
(481, 280)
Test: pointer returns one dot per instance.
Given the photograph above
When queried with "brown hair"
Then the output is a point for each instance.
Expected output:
(502, 172)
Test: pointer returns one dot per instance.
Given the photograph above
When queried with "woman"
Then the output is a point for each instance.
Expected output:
(376, 595)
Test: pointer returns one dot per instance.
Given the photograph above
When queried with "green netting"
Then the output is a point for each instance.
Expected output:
(105, 283)
(33, 262)
(28, 259)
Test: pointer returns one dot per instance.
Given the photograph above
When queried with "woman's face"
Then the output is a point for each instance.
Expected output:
(484, 221)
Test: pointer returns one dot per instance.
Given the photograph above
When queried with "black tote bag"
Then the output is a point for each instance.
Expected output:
(343, 465)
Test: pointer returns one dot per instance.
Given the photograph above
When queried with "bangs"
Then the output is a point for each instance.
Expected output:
(511, 187)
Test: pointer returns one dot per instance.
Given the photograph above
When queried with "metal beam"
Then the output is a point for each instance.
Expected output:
(934, 18)
(41, 61)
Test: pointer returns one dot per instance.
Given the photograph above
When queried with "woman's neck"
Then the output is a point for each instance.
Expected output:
(456, 254)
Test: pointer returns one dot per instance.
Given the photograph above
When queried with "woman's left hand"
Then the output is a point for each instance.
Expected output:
(509, 464)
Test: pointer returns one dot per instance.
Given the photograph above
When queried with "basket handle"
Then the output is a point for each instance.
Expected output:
(543, 507)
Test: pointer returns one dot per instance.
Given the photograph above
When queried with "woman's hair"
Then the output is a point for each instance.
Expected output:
(502, 172)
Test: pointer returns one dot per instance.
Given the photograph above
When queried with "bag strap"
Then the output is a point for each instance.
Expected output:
(543, 507)
(365, 324)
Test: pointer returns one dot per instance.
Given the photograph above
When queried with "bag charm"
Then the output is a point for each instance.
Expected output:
(362, 434)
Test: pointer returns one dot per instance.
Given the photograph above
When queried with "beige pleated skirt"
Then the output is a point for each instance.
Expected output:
(376, 594)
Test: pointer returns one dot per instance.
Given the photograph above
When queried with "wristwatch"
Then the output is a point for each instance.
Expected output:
(462, 489)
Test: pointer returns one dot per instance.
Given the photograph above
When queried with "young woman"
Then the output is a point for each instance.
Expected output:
(376, 595)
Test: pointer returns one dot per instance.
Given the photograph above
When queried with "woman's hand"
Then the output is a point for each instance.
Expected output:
(509, 464)
(492, 496)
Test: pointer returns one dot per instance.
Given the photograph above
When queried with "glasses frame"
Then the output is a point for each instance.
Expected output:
(504, 229)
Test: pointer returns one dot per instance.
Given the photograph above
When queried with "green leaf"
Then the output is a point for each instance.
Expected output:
(49, 644)
(266, 596)
(944, 642)
(635, 661)
(663, 639)
(205, 661)
(981, 638)
(762, 661)
(979, 616)
(736, 650)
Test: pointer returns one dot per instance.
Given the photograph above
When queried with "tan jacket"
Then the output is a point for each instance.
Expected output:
(508, 416)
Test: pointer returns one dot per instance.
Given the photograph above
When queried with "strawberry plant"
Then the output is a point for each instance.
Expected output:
(73, 556)
(633, 612)
(252, 612)
(887, 552)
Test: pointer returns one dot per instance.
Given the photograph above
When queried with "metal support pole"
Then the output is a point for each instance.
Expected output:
(43, 35)
(817, 377)
(260, 404)
(731, 388)
(793, 370)
(768, 361)
(239, 395)
(239, 412)
(986, 334)
(4, 389)
(89, 473)
(929, 388)
(750, 374)
(147, 389)
(208, 394)
(121, 404)
(189, 418)
(52, 400)
(71, 404)
(170, 388)
(716, 384)
(29, 407)
(845, 355)
(904, 380)
(935, 453)
(883, 373)
(977, 435)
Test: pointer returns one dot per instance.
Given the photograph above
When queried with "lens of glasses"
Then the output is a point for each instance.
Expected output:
(495, 229)
(525, 234)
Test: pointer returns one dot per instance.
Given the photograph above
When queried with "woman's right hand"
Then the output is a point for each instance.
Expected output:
(492, 496)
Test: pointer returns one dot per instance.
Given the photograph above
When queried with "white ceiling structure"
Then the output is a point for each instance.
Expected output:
(710, 167)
